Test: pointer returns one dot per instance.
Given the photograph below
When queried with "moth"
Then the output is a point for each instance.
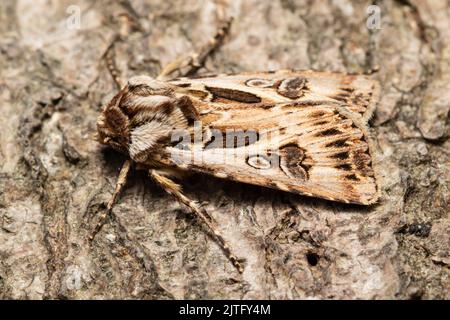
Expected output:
(298, 131)
(303, 132)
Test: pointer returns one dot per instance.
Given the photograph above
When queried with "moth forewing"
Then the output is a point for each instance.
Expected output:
(320, 150)
(358, 93)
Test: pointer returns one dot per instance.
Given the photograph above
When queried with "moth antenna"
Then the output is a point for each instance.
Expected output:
(175, 190)
(128, 21)
(108, 56)
(121, 180)
(189, 65)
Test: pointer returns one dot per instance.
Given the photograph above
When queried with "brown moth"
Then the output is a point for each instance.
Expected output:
(297, 131)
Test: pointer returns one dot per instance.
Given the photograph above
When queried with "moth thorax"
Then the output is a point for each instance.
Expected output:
(146, 86)
(153, 101)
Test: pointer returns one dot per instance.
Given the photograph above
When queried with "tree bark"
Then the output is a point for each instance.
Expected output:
(55, 178)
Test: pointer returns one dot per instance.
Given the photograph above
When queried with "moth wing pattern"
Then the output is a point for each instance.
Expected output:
(315, 150)
(358, 93)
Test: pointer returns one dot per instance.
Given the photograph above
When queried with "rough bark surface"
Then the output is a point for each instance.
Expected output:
(55, 179)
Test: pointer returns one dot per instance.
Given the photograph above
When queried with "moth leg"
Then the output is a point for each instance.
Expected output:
(121, 180)
(190, 64)
(175, 190)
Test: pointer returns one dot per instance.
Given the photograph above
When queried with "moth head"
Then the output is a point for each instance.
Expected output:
(139, 114)
(112, 126)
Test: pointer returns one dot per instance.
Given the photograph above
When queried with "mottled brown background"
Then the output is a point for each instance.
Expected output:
(54, 178)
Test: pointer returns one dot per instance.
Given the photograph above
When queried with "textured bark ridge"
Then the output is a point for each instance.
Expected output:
(55, 179)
